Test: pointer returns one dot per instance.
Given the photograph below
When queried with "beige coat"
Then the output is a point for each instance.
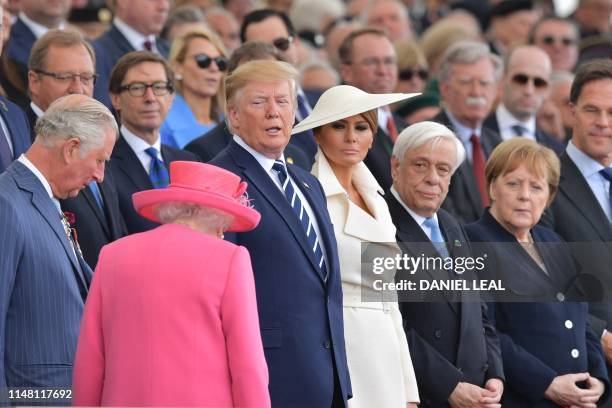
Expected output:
(376, 347)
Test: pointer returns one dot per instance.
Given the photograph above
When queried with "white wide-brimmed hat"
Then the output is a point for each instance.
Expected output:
(344, 101)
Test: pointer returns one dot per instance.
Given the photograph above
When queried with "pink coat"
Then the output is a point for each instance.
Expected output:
(171, 320)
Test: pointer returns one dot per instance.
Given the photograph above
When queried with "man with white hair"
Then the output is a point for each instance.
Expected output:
(43, 277)
(455, 350)
(469, 74)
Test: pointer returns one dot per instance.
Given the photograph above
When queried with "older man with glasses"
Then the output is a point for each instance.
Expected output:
(525, 88)
(274, 28)
(559, 38)
(141, 91)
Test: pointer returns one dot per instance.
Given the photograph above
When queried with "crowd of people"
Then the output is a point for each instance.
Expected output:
(189, 194)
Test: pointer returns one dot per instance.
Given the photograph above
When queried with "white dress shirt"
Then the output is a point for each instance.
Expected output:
(37, 29)
(139, 146)
(135, 38)
(419, 219)
(506, 121)
(464, 133)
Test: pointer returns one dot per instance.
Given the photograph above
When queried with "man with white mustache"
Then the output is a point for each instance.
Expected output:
(469, 75)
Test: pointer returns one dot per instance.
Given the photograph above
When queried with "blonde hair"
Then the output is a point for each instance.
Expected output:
(178, 52)
(511, 154)
(410, 55)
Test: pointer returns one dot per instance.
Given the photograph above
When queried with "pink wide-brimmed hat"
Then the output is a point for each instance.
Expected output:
(204, 184)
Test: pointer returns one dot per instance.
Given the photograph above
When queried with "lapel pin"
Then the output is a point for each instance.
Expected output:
(3, 106)
(457, 243)
(289, 160)
(305, 184)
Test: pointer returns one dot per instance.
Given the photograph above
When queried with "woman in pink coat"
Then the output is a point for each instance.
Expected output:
(171, 317)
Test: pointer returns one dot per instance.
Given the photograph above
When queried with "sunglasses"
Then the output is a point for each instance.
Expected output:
(204, 61)
(407, 74)
(283, 43)
(522, 79)
(566, 41)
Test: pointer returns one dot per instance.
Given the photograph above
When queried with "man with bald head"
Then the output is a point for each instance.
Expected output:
(390, 15)
(526, 85)
(43, 277)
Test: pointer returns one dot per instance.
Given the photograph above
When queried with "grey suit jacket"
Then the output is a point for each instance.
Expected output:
(43, 286)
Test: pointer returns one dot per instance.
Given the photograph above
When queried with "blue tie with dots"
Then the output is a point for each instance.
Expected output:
(158, 172)
(436, 236)
(300, 211)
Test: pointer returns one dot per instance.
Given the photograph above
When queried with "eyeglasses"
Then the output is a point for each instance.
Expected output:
(282, 43)
(86, 78)
(566, 41)
(407, 74)
(204, 61)
(140, 88)
(522, 79)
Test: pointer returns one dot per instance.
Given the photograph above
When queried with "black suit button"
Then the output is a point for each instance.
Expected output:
(327, 344)
(485, 368)
(438, 334)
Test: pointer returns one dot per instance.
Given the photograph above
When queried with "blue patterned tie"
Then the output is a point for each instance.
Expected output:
(158, 172)
(95, 190)
(436, 236)
(300, 211)
(607, 174)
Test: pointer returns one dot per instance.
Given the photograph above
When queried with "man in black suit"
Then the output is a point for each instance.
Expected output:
(135, 27)
(141, 90)
(63, 63)
(582, 210)
(469, 74)
(526, 84)
(455, 351)
(368, 62)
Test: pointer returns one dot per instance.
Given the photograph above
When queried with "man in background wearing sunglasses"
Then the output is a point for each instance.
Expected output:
(525, 86)
(559, 37)
(62, 63)
(275, 28)
(141, 90)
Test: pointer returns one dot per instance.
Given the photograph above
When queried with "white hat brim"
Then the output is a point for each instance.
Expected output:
(344, 101)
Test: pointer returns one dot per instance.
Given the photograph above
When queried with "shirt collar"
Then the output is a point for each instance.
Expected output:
(135, 38)
(463, 132)
(26, 162)
(263, 161)
(39, 112)
(37, 29)
(383, 117)
(138, 144)
(506, 120)
(587, 165)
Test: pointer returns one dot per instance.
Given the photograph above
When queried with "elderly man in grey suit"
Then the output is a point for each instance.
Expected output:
(43, 277)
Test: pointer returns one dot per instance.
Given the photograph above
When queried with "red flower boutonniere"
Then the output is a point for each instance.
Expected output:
(70, 217)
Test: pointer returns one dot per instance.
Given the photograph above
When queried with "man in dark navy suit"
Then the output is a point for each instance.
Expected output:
(63, 63)
(368, 62)
(293, 250)
(275, 28)
(526, 84)
(141, 90)
(455, 350)
(34, 19)
(136, 27)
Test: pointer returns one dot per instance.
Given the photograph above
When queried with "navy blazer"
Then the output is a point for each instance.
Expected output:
(130, 177)
(541, 136)
(17, 125)
(464, 200)
(43, 285)
(544, 339)
(109, 47)
(300, 313)
(210, 144)
(450, 338)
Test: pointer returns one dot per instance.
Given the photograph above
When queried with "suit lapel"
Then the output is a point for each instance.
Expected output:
(259, 180)
(91, 201)
(130, 165)
(120, 41)
(27, 181)
(578, 192)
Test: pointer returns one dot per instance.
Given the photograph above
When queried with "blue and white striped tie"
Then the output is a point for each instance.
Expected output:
(300, 211)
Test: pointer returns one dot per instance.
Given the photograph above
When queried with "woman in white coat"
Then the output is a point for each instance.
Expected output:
(344, 122)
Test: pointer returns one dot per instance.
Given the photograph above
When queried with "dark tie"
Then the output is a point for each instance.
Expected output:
(302, 110)
(478, 166)
(607, 174)
(391, 129)
(158, 172)
(519, 130)
(436, 236)
(6, 156)
(147, 45)
(300, 211)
